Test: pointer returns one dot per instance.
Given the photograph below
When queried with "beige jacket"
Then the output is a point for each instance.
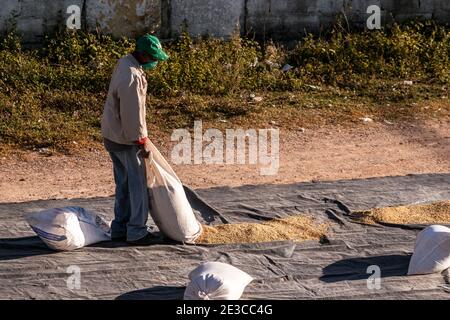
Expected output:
(123, 118)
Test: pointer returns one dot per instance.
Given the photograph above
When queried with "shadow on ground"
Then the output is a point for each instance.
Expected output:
(356, 268)
(155, 293)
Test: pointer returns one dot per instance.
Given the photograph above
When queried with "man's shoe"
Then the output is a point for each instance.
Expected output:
(119, 239)
(148, 239)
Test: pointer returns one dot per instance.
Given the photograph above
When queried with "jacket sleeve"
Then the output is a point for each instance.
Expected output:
(132, 108)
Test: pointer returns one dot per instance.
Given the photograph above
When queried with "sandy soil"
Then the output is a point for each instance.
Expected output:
(367, 150)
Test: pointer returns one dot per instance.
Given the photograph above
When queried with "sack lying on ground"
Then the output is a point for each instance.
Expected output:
(216, 281)
(431, 251)
(69, 228)
(168, 204)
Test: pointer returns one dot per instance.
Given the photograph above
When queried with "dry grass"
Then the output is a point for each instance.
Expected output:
(298, 228)
(433, 213)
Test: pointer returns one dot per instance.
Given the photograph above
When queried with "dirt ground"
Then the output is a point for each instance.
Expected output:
(366, 150)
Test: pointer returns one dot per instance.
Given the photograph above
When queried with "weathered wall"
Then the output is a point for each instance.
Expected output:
(200, 17)
(289, 19)
(286, 19)
(277, 19)
(124, 17)
(33, 18)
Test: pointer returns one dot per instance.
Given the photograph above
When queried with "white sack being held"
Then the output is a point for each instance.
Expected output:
(431, 251)
(69, 228)
(169, 206)
(216, 281)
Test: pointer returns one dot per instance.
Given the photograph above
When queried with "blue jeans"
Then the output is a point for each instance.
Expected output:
(131, 202)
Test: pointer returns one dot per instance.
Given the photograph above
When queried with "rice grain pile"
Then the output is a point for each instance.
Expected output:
(432, 213)
(297, 228)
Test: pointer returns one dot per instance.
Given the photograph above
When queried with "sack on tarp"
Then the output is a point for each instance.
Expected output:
(69, 228)
(216, 281)
(431, 251)
(169, 206)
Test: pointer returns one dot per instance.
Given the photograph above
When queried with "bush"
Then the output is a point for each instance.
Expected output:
(75, 60)
(418, 51)
(208, 66)
(53, 95)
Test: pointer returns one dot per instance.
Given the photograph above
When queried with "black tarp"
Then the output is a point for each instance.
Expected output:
(333, 269)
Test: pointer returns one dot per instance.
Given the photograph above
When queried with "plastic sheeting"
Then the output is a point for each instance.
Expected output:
(337, 268)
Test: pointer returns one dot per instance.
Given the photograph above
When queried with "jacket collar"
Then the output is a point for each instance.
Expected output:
(134, 62)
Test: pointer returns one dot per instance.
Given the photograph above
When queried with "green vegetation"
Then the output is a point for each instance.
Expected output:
(54, 95)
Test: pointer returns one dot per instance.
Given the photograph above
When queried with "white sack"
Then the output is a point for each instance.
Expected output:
(69, 228)
(216, 281)
(431, 251)
(169, 207)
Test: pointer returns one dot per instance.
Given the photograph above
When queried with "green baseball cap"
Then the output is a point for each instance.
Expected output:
(151, 45)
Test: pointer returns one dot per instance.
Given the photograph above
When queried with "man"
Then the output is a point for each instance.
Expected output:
(124, 131)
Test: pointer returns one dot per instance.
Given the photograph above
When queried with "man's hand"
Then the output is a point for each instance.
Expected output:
(145, 149)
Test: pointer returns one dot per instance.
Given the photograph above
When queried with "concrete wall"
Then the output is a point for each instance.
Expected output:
(276, 19)
(218, 18)
(289, 19)
(124, 17)
(286, 20)
(34, 18)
